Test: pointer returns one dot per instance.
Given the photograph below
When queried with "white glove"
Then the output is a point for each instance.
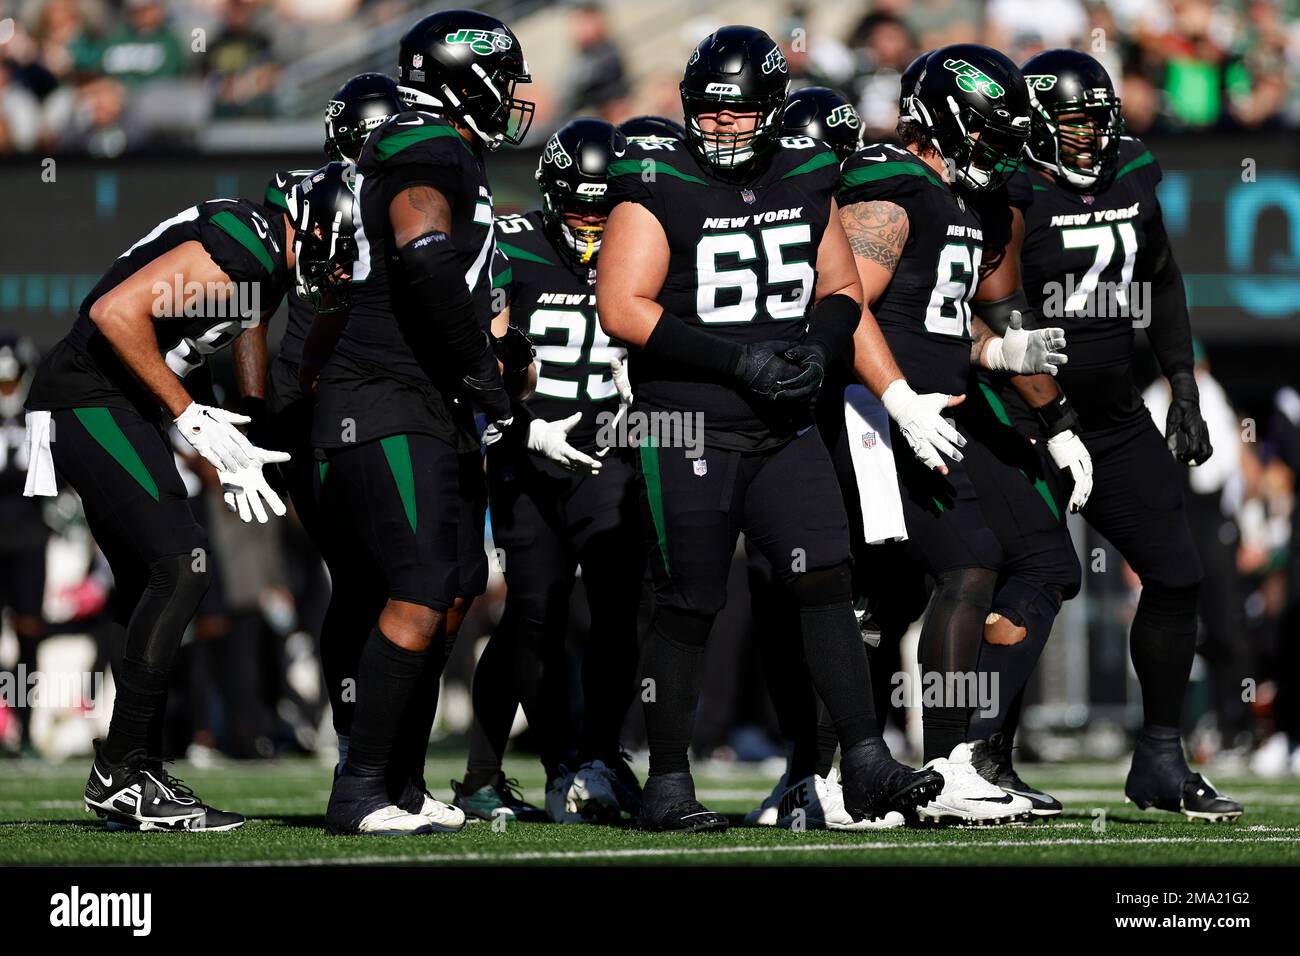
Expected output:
(495, 431)
(1024, 351)
(920, 419)
(1068, 451)
(246, 488)
(618, 368)
(213, 434)
(551, 439)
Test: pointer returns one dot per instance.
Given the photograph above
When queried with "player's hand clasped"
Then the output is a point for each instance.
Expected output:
(920, 419)
(765, 373)
(1024, 351)
(1070, 454)
(214, 435)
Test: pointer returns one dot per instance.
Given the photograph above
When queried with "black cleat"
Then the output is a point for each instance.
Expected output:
(361, 805)
(139, 794)
(876, 784)
(626, 786)
(669, 805)
(992, 760)
(1160, 779)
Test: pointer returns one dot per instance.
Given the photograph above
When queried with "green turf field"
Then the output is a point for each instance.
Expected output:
(42, 821)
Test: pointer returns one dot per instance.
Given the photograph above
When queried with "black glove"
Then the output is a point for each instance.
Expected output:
(482, 381)
(1185, 429)
(514, 350)
(765, 373)
(812, 359)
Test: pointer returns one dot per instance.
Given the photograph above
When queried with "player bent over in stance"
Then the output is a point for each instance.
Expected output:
(97, 411)
(718, 257)
(549, 519)
(393, 417)
(1093, 239)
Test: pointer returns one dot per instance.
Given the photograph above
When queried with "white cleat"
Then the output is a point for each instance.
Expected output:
(967, 799)
(817, 803)
(592, 792)
(394, 821)
(443, 817)
(767, 813)
(559, 807)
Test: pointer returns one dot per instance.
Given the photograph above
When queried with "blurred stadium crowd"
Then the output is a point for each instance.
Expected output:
(108, 77)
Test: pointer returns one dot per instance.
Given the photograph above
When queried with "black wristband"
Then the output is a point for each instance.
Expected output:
(674, 340)
(996, 313)
(832, 324)
(1058, 416)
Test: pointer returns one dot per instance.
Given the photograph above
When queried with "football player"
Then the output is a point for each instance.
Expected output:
(394, 411)
(549, 519)
(823, 114)
(652, 127)
(919, 242)
(277, 399)
(715, 259)
(182, 292)
(1096, 259)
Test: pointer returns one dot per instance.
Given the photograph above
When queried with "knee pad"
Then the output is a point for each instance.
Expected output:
(687, 628)
(822, 587)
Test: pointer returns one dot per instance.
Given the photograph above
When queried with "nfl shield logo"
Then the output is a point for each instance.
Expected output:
(701, 466)
(417, 61)
(748, 196)
(1088, 199)
(868, 439)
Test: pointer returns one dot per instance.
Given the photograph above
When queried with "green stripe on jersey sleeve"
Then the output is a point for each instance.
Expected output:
(233, 226)
(1146, 159)
(887, 170)
(390, 146)
(522, 255)
(820, 161)
(635, 167)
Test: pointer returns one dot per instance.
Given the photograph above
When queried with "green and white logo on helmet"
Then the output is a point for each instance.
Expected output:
(775, 61)
(974, 80)
(1041, 82)
(844, 115)
(555, 154)
(482, 42)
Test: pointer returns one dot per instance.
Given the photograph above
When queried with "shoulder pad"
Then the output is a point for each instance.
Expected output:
(414, 137)
(1134, 156)
(884, 172)
(803, 154)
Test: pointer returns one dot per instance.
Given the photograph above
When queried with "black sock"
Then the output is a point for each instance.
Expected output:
(141, 697)
(387, 679)
(672, 659)
(495, 699)
(949, 653)
(1035, 610)
(411, 746)
(838, 665)
(1162, 644)
(827, 741)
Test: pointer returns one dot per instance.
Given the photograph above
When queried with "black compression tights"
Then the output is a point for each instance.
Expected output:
(950, 647)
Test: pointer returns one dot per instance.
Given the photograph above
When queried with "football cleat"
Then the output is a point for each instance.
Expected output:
(992, 760)
(1160, 779)
(967, 799)
(876, 785)
(441, 816)
(558, 806)
(360, 805)
(499, 799)
(669, 806)
(817, 803)
(626, 786)
(140, 795)
(594, 791)
(769, 811)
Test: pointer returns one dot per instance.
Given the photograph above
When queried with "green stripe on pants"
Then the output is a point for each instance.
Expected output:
(1000, 411)
(655, 490)
(101, 425)
(398, 452)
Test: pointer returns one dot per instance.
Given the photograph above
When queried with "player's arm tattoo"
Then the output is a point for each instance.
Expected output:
(417, 210)
(980, 337)
(877, 231)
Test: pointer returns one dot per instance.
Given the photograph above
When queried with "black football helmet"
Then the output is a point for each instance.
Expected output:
(360, 105)
(972, 102)
(465, 65)
(18, 359)
(278, 186)
(907, 82)
(573, 177)
(652, 127)
(321, 207)
(823, 114)
(1083, 151)
(742, 70)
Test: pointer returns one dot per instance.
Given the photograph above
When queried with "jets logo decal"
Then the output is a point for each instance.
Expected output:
(844, 115)
(974, 80)
(1041, 82)
(334, 108)
(555, 154)
(775, 62)
(482, 42)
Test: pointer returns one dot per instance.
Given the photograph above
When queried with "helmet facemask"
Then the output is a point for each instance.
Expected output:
(982, 152)
(733, 149)
(1078, 141)
(324, 253)
(493, 113)
(582, 242)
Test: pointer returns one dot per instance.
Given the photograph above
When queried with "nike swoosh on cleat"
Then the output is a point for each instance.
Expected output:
(106, 781)
(1005, 798)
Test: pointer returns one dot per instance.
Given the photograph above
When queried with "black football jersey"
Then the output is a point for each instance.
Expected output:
(925, 311)
(282, 373)
(389, 373)
(553, 299)
(743, 265)
(1079, 260)
(246, 239)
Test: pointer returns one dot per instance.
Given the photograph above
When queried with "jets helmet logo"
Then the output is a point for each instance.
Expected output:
(974, 80)
(334, 108)
(844, 115)
(1041, 82)
(481, 42)
(555, 154)
(775, 62)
